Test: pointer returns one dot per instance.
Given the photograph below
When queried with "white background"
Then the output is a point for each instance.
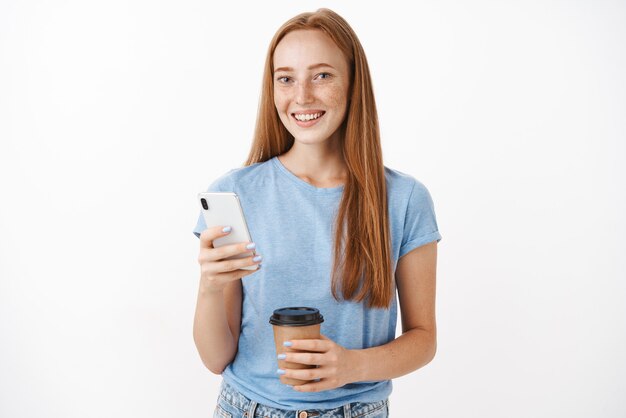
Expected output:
(114, 114)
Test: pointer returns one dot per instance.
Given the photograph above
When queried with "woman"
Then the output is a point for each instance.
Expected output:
(336, 230)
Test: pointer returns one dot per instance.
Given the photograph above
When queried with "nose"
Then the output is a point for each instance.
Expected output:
(304, 93)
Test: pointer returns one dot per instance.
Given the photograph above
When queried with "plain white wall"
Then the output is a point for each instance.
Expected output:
(114, 114)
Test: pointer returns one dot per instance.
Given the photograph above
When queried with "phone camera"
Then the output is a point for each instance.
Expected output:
(205, 205)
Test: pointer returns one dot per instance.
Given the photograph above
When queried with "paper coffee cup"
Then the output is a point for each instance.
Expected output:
(295, 323)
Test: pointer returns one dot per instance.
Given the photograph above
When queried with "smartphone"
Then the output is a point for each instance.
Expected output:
(224, 208)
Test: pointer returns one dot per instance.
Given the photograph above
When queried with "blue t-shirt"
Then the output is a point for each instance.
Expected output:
(291, 223)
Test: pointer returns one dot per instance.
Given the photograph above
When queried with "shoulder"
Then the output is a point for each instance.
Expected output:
(411, 210)
(403, 184)
(238, 176)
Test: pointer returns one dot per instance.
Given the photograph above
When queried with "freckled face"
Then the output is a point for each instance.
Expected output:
(311, 82)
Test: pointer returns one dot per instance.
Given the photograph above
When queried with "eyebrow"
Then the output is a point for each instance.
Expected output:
(311, 67)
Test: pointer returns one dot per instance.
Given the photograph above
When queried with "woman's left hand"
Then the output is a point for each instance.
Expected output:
(336, 365)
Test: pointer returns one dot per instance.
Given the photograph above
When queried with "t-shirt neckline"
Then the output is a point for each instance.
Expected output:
(301, 183)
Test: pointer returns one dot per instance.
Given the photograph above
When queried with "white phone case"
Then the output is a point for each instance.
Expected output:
(225, 209)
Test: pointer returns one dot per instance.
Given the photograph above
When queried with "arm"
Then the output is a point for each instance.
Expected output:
(217, 321)
(416, 347)
(337, 366)
(216, 326)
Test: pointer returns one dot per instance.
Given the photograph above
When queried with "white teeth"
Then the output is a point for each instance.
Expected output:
(307, 117)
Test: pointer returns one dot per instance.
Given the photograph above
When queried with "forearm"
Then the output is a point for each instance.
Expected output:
(211, 333)
(409, 352)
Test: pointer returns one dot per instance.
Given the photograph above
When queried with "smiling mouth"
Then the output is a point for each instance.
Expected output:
(306, 117)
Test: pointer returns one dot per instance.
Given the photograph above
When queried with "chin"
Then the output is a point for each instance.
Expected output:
(309, 141)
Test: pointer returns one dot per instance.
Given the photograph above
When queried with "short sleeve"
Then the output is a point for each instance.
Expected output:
(222, 184)
(420, 222)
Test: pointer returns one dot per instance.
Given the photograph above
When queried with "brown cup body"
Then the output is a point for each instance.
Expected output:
(288, 333)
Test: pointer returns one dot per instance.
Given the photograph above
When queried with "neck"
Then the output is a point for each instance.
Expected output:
(321, 165)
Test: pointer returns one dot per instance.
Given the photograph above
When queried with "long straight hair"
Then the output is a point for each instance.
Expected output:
(362, 267)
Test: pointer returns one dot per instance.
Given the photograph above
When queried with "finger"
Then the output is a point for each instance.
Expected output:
(210, 234)
(314, 386)
(312, 359)
(237, 263)
(311, 345)
(307, 374)
(227, 251)
(220, 253)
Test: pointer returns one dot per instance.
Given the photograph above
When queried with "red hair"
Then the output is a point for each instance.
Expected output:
(362, 267)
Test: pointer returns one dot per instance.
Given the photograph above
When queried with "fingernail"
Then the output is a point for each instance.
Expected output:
(251, 246)
(282, 356)
(280, 371)
(257, 258)
(227, 229)
(287, 344)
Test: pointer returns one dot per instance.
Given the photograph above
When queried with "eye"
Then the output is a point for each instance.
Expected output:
(282, 79)
(324, 76)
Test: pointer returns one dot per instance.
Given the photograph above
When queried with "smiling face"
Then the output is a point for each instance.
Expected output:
(311, 82)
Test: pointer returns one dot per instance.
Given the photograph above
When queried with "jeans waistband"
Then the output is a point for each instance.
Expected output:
(250, 408)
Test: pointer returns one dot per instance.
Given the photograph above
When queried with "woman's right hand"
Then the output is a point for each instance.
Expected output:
(215, 272)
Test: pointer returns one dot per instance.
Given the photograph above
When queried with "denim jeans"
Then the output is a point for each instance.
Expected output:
(232, 404)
